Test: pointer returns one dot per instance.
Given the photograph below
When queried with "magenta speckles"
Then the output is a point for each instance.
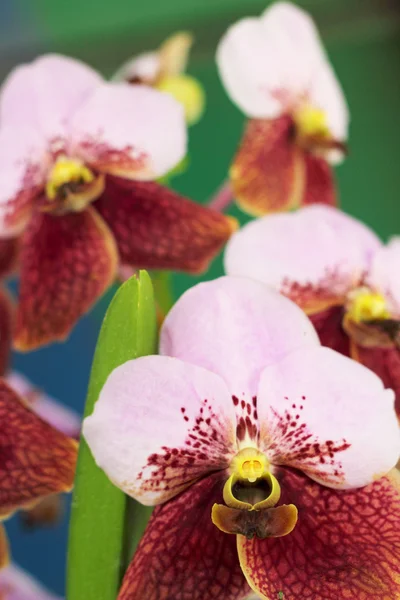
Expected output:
(247, 418)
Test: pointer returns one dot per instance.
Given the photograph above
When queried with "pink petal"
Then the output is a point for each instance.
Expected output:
(384, 274)
(45, 93)
(328, 416)
(22, 173)
(159, 425)
(16, 584)
(317, 246)
(132, 131)
(235, 327)
(52, 411)
(268, 64)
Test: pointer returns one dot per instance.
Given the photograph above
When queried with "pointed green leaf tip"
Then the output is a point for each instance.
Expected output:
(96, 541)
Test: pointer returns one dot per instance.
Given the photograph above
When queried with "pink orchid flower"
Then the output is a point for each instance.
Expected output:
(275, 70)
(16, 584)
(338, 271)
(78, 157)
(246, 434)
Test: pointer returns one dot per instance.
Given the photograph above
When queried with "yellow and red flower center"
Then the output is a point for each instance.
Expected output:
(250, 495)
(312, 130)
(71, 186)
(365, 305)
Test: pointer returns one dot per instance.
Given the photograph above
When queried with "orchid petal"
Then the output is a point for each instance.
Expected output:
(268, 64)
(159, 425)
(60, 417)
(9, 254)
(4, 554)
(345, 544)
(328, 416)
(313, 255)
(6, 325)
(235, 327)
(156, 228)
(267, 173)
(36, 460)
(384, 274)
(143, 68)
(22, 176)
(319, 182)
(146, 140)
(74, 259)
(16, 584)
(183, 555)
(44, 94)
(328, 325)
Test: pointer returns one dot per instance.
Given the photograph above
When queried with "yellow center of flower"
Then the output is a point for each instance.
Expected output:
(365, 305)
(250, 464)
(186, 90)
(311, 123)
(64, 172)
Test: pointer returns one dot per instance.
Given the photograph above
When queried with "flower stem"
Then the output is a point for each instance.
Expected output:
(223, 198)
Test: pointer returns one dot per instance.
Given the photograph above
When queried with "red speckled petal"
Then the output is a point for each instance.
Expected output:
(345, 546)
(385, 362)
(155, 228)
(319, 182)
(3, 548)
(35, 459)
(6, 325)
(328, 324)
(182, 555)
(159, 425)
(267, 172)
(67, 262)
(328, 416)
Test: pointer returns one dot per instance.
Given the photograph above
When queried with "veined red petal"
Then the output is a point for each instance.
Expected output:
(67, 262)
(155, 228)
(183, 555)
(3, 547)
(319, 184)
(346, 545)
(6, 326)
(268, 171)
(385, 362)
(328, 324)
(9, 248)
(35, 459)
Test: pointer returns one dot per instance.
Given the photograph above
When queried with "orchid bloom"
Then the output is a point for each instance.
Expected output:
(36, 460)
(275, 70)
(246, 434)
(8, 263)
(16, 584)
(164, 69)
(338, 271)
(77, 160)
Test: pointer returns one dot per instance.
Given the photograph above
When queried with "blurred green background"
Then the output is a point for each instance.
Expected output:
(363, 41)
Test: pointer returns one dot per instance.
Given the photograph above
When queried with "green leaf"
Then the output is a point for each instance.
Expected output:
(98, 548)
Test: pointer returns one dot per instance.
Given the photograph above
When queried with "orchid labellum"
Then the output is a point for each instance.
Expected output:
(275, 70)
(164, 69)
(36, 460)
(269, 458)
(338, 271)
(78, 157)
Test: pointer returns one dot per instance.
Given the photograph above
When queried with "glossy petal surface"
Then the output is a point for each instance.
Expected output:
(328, 416)
(235, 327)
(146, 140)
(345, 546)
(156, 228)
(160, 424)
(183, 555)
(36, 460)
(66, 264)
(318, 252)
(45, 93)
(267, 173)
